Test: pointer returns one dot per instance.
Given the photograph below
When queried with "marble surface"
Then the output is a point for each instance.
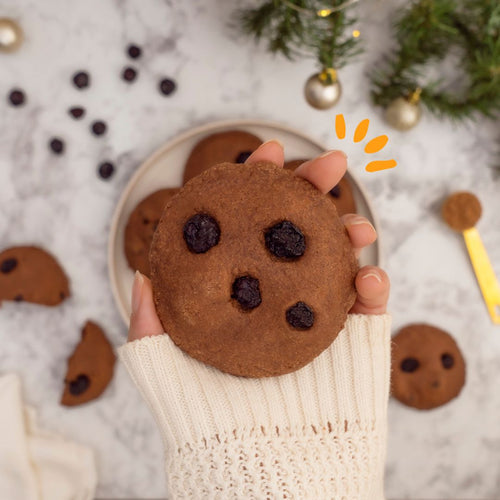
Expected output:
(60, 204)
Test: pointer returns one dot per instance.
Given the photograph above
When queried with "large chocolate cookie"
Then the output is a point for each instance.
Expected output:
(252, 270)
(141, 226)
(341, 195)
(31, 274)
(90, 367)
(428, 369)
(233, 146)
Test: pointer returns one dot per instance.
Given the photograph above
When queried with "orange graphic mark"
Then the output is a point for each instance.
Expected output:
(361, 130)
(375, 166)
(340, 126)
(373, 146)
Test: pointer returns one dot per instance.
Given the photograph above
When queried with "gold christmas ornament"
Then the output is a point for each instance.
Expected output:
(11, 35)
(323, 90)
(404, 113)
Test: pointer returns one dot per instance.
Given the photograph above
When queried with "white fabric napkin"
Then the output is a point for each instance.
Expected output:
(37, 464)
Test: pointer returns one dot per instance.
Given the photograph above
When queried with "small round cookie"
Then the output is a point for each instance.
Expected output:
(461, 210)
(341, 195)
(90, 367)
(428, 369)
(233, 146)
(252, 270)
(31, 274)
(141, 226)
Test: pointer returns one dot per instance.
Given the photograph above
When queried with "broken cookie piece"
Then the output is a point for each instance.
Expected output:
(31, 274)
(90, 367)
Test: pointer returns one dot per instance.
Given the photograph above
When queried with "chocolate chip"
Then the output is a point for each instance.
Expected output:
(201, 233)
(167, 86)
(57, 146)
(19, 298)
(447, 361)
(285, 240)
(300, 316)
(243, 156)
(8, 265)
(106, 170)
(81, 79)
(79, 385)
(409, 365)
(134, 51)
(77, 112)
(336, 191)
(98, 127)
(17, 97)
(246, 291)
(129, 74)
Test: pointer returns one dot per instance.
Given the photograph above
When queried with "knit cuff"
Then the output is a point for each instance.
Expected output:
(345, 386)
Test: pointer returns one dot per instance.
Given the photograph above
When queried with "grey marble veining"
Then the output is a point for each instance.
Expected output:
(60, 204)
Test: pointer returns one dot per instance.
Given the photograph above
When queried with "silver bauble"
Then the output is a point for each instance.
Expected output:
(403, 114)
(320, 94)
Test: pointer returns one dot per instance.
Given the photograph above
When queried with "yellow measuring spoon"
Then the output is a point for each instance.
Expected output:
(461, 211)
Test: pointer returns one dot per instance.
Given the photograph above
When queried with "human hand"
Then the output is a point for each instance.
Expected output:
(324, 172)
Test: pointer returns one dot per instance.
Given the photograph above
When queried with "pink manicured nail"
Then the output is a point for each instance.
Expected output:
(357, 220)
(279, 143)
(336, 151)
(374, 275)
(137, 291)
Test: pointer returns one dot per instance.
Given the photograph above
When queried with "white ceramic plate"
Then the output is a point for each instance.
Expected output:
(165, 169)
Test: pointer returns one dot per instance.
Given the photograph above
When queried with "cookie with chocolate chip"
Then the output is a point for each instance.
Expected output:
(141, 226)
(233, 146)
(252, 270)
(90, 367)
(31, 274)
(428, 369)
(341, 195)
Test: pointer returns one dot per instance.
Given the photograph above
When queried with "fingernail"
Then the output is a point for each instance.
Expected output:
(279, 143)
(137, 291)
(357, 220)
(372, 274)
(332, 151)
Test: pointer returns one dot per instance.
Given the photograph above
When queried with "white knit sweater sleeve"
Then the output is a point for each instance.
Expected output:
(317, 433)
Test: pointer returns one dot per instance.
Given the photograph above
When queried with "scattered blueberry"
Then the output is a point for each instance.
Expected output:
(335, 192)
(243, 156)
(447, 361)
(201, 233)
(409, 365)
(285, 240)
(247, 292)
(57, 146)
(106, 170)
(167, 86)
(77, 112)
(17, 97)
(81, 79)
(134, 51)
(79, 385)
(129, 74)
(98, 127)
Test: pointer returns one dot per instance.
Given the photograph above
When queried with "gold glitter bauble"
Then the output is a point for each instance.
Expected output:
(403, 114)
(11, 35)
(321, 94)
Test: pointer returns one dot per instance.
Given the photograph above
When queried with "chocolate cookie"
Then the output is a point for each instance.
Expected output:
(141, 226)
(90, 367)
(341, 194)
(428, 369)
(252, 270)
(234, 146)
(31, 274)
(461, 210)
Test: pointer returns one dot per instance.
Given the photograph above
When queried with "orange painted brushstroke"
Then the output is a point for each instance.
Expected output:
(340, 126)
(375, 166)
(361, 130)
(376, 144)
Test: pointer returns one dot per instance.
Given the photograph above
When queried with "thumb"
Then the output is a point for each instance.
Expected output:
(144, 321)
